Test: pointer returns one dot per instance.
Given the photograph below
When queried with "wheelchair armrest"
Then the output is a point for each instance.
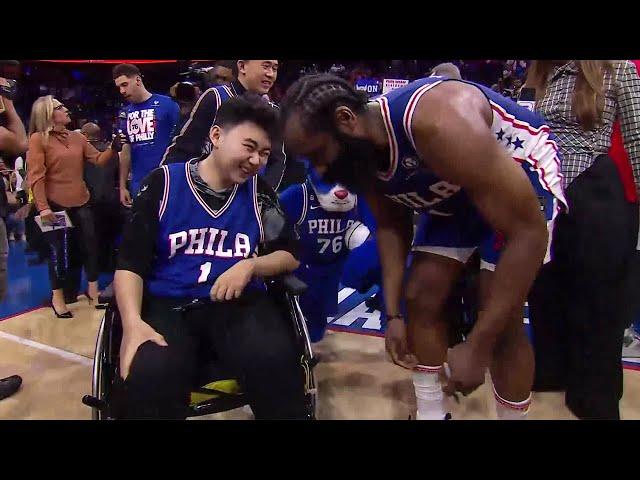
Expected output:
(294, 285)
(288, 283)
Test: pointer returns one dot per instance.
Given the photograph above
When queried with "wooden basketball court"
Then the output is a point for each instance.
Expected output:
(355, 379)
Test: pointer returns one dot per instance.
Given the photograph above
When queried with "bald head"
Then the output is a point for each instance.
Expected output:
(448, 70)
(91, 131)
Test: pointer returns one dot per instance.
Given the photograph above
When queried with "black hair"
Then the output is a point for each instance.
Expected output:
(185, 92)
(234, 68)
(230, 64)
(249, 107)
(447, 70)
(129, 70)
(316, 97)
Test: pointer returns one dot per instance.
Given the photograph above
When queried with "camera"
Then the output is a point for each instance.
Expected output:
(9, 71)
(196, 75)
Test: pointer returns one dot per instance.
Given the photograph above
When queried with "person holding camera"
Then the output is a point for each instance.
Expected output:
(55, 163)
(185, 94)
(221, 73)
(13, 141)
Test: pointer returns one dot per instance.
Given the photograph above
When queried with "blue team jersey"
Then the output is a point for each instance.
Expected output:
(321, 232)
(366, 215)
(149, 128)
(195, 244)
(521, 132)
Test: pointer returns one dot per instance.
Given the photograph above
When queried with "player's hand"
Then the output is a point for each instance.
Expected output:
(467, 364)
(125, 198)
(133, 336)
(231, 283)
(395, 339)
(47, 216)
(23, 212)
(116, 143)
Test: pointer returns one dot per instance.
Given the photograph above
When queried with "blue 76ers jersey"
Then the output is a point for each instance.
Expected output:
(195, 244)
(148, 126)
(521, 132)
(321, 232)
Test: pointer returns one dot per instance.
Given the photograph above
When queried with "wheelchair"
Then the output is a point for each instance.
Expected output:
(215, 391)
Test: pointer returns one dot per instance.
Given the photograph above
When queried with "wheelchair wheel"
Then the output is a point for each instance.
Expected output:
(104, 368)
(98, 387)
(307, 360)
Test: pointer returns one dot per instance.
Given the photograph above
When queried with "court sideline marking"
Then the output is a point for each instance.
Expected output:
(74, 357)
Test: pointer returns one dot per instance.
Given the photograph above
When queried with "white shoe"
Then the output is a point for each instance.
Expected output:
(247, 409)
(446, 417)
(631, 344)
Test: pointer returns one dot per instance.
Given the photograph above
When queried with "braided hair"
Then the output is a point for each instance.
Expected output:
(315, 98)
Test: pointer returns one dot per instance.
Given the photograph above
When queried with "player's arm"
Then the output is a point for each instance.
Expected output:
(135, 258)
(394, 234)
(137, 250)
(189, 141)
(125, 168)
(93, 155)
(452, 129)
(13, 137)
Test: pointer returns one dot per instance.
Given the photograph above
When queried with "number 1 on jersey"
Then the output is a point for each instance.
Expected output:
(205, 270)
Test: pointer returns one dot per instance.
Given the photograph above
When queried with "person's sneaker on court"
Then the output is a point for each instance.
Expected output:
(9, 386)
(631, 344)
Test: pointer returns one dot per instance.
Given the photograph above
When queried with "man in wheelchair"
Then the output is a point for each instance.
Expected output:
(208, 230)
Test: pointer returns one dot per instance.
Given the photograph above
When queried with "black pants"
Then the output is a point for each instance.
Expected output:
(582, 301)
(108, 226)
(250, 337)
(69, 248)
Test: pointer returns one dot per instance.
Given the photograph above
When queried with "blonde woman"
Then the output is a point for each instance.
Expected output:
(579, 307)
(55, 162)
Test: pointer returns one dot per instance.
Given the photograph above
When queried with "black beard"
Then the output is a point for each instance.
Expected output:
(355, 166)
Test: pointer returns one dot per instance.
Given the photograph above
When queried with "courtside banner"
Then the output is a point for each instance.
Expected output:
(389, 84)
(369, 85)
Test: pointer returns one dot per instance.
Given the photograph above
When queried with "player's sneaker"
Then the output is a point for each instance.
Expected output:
(631, 344)
(9, 386)
(446, 417)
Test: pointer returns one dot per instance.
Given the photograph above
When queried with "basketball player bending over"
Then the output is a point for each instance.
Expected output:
(195, 231)
(486, 174)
